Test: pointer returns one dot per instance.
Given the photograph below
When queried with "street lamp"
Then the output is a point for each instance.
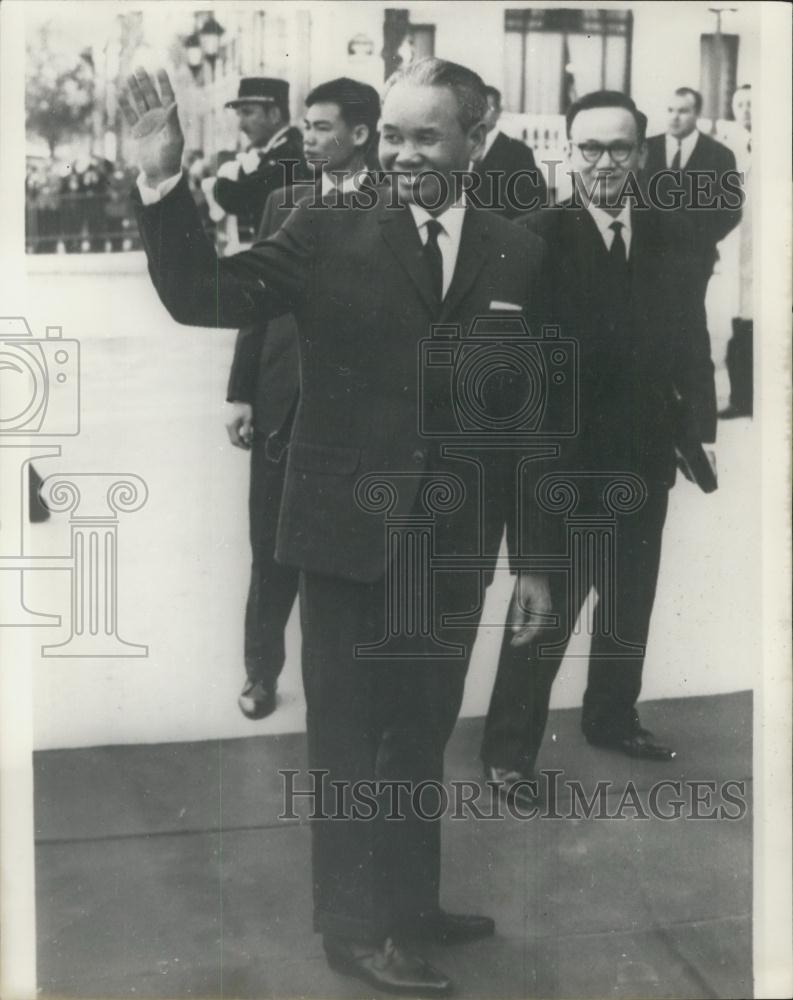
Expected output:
(209, 37)
(195, 55)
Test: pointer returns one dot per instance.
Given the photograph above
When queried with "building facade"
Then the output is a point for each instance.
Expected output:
(541, 57)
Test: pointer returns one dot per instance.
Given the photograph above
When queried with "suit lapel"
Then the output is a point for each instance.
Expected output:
(400, 233)
(471, 255)
(587, 249)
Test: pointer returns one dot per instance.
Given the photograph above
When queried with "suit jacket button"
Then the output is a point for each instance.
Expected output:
(418, 457)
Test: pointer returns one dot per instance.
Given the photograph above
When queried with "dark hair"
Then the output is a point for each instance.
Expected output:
(607, 99)
(495, 93)
(359, 104)
(743, 86)
(690, 92)
(467, 86)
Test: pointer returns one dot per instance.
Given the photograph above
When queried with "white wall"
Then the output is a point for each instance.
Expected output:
(666, 50)
(332, 28)
(152, 405)
(467, 33)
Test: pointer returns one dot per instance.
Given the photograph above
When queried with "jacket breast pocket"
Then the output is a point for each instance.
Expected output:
(325, 459)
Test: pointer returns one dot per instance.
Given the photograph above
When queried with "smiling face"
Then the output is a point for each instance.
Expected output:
(328, 139)
(421, 134)
(682, 116)
(604, 178)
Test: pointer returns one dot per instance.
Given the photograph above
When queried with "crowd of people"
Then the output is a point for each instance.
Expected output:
(78, 206)
(83, 206)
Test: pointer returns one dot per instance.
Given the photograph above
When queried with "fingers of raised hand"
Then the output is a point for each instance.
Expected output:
(147, 88)
(142, 94)
(168, 96)
(130, 114)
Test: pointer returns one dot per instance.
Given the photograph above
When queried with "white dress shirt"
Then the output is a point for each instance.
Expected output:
(451, 219)
(151, 195)
(603, 221)
(350, 182)
(686, 148)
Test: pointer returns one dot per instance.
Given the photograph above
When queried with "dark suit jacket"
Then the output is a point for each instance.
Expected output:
(247, 196)
(265, 370)
(708, 225)
(359, 287)
(506, 159)
(645, 379)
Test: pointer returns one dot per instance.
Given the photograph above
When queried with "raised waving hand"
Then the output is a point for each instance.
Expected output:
(154, 120)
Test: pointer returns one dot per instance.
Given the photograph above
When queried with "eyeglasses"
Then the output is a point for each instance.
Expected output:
(592, 151)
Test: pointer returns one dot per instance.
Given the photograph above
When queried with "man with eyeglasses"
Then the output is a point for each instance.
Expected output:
(622, 285)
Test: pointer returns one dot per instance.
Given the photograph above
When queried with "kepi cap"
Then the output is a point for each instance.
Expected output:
(261, 90)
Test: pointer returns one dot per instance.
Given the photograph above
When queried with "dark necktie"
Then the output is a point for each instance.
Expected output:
(619, 285)
(618, 255)
(434, 258)
(676, 157)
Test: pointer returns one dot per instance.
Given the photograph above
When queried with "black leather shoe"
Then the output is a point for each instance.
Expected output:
(388, 967)
(520, 787)
(454, 928)
(640, 744)
(257, 700)
(732, 412)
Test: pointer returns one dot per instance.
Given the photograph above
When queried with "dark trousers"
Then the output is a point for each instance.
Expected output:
(740, 365)
(378, 720)
(273, 587)
(518, 709)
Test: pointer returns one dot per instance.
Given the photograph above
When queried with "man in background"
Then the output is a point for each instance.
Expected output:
(740, 346)
(622, 285)
(339, 129)
(274, 153)
(512, 183)
(687, 151)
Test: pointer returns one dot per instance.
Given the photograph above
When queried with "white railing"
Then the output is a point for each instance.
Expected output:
(546, 133)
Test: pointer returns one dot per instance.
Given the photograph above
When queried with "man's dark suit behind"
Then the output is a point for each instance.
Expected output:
(511, 181)
(646, 371)
(709, 225)
(264, 373)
